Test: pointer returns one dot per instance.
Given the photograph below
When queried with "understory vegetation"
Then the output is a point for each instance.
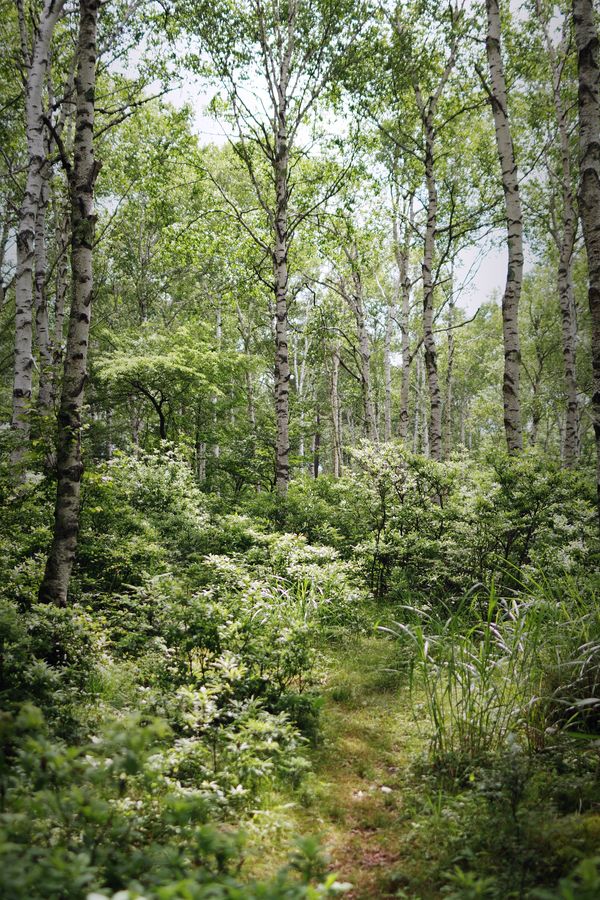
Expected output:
(299, 449)
(150, 724)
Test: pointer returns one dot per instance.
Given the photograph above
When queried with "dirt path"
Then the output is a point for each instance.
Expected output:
(369, 737)
(356, 802)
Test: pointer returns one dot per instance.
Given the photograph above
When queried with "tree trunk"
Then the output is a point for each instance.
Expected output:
(62, 282)
(245, 333)
(280, 272)
(162, 426)
(565, 240)
(316, 446)
(215, 399)
(37, 67)
(514, 223)
(536, 405)
(390, 315)
(421, 431)
(449, 376)
(588, 64)
(401, 252)
(4, 238)
(424, 418)
(336, 413)
(45, 394)
(199, 451)
(433, 383)
(282, 367)
(250, 403)
(82, 177)
(416, 423)
(355, 301)
(427, 111)
(300, 404)
(569, 346)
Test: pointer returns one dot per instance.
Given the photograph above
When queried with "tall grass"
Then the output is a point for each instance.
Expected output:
(527, 665)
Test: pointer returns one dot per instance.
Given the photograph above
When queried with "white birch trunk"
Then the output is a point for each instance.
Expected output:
(44, 343)
(280, 273)
(565, 240)
(355, 301)
(416, 423)
(61, 287)
(433, 383)
(82, 178)
(514, 225)
(449, 377)
(401, 248)
(37, 67)
(588, 64)
(387, 366)
(336, 413)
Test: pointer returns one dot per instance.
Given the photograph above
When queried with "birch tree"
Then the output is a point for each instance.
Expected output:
(565, 234)
(401, 238)
(427, 110)
(82, 174)
(294, 51)
(36, 62)
(514, 228)
(335, 411)
(588, 66)
(426, 80)
(449, 399)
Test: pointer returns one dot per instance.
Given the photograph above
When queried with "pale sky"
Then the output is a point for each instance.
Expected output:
(487, 278)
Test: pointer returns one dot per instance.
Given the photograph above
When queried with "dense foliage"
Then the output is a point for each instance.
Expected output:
(157, 712)
(299, 449)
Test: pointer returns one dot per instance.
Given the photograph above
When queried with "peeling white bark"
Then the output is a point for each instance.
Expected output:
(588, 63)
(37, 67)
(514, 225)
(82, 178)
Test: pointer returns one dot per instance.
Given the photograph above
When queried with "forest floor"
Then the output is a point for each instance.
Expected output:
(356, 802)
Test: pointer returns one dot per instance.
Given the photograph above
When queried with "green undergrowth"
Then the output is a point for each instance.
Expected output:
(304, 699)
(143, 725)
(353, 800)
(396, 824)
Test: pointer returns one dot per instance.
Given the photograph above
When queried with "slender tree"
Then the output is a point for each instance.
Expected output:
(564, 224)
(429, 81)
(588, 65)
(352, 289)
(449, 400)
(82, 177)
(335, 411)
(390, 320)
(42, 324)
(35, 61)
(514, 225)
(401, 253)
(427, 110)
(296, 48)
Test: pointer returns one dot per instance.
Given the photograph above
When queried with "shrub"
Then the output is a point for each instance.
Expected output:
(438, 529)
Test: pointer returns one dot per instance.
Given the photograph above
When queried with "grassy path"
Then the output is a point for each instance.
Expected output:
(356, 804)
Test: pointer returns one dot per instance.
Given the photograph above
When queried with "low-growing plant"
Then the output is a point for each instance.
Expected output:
(522, 666)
